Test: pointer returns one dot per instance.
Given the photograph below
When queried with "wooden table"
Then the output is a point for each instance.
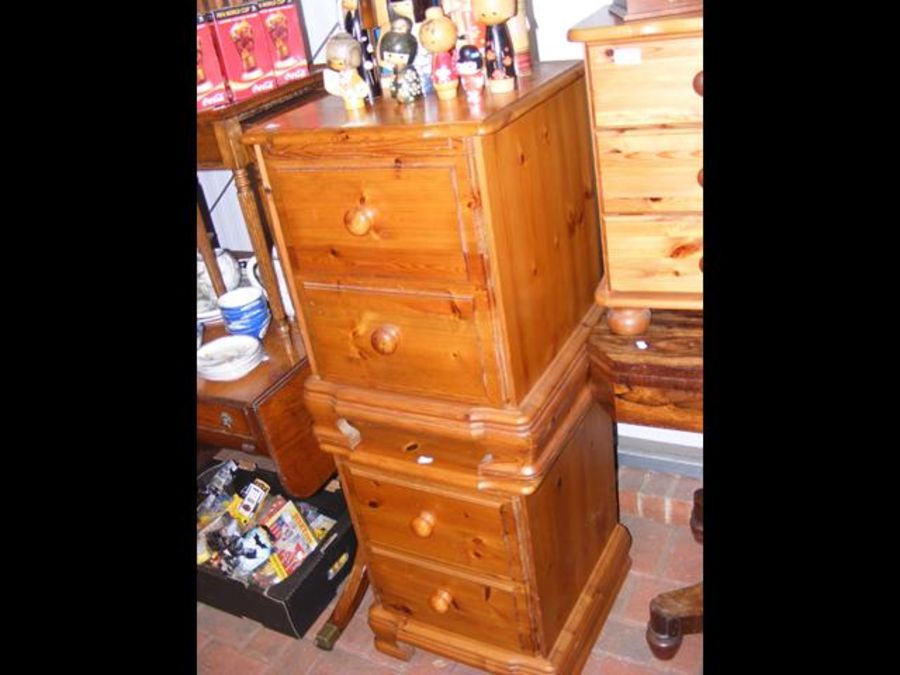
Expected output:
(219, 147)
(657, 377)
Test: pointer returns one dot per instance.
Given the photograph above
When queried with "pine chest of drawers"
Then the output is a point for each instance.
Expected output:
(645, 88)
(444, 260)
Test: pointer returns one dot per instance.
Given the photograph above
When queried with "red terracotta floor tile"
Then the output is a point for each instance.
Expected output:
(217, 658)
(645, 589)
(605, 665)
(684, 559)
(649, 542)
(267, 645)
(228, 629)
(337, 662)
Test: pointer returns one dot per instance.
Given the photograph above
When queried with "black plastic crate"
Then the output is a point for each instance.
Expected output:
(292, 606)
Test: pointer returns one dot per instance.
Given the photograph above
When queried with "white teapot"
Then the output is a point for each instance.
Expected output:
(228, 265)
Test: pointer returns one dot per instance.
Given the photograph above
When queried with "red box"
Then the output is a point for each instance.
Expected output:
(212, 91)
(244, 51)
(286, 43)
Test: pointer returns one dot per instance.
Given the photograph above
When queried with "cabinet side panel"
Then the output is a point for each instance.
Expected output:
(542, 229)
(571, 516)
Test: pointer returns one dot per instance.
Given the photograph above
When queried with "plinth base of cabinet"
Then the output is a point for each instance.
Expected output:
(569, 653)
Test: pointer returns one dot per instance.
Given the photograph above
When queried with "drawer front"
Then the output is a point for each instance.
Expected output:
(223, 418)
(426, 344)
(644, 171)
(368, 222)
(646, 83)
(222, 440)
(461, 605)
(428, 451)
(655, 253)
(471, 533)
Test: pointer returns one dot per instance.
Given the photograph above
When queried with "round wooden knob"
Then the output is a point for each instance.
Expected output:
(700, 177)
(423, 524)
(628, 321)
(698, 83)
(441, 601)
(359, 220)
(386, 339)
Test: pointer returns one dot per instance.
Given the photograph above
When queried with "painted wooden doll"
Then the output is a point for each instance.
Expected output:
(398, 51)
(468, 30)
(359, 20)
(438, 36)
(518, 30)
(470, 66)
(343, 55)
(498, 49)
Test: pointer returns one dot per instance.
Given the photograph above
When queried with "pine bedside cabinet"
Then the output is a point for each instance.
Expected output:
(444, 258)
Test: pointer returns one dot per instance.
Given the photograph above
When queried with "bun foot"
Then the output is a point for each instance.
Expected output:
(628, 321)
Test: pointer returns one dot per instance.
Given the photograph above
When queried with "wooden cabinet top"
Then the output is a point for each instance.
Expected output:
(426, 118)
(602, 25)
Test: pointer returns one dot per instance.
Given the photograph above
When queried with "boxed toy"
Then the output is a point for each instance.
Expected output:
(244, 51)
(211, 89)
(286, 42)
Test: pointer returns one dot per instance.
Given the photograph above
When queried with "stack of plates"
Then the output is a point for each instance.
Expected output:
(208, 311)
(229, 358)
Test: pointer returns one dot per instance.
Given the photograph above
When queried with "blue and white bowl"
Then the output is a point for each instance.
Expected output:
(245, 312)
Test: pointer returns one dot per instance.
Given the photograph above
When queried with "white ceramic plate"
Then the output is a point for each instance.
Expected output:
(230, 351)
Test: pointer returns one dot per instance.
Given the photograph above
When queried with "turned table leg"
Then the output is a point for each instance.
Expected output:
(347, 604)
(208, 255)
(628, 320)
(250, 209)
(680, 612)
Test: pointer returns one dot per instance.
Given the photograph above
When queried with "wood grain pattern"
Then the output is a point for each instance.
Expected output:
(480, 608)
(469, 530)
(662, 385)
(440, 350)
(658, 253)
(402, 241)
(541, 218)
(650, 170)
(573, 511)
(658, 90)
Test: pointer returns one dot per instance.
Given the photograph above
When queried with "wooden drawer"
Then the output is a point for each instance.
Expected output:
(650, 170)
(472, 532)
(372, 222)
(477, 609)
(425, 344)
(655, 253)
(651, 84)
(223, 418)
(428, 450)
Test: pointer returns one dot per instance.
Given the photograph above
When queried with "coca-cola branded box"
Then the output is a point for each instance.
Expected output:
(244, 51)
(211, 89)
(285, 36)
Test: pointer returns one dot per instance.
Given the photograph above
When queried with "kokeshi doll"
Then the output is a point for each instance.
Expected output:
(498, 49)
(438, 36)
(470, 66)
(359, 21)
(468, 30)
(518, 30)
(398, 50)
(343, 54)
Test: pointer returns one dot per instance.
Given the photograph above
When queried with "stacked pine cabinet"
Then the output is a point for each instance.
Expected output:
(444, 258)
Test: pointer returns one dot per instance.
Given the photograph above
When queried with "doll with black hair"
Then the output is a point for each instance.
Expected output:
(397, 51)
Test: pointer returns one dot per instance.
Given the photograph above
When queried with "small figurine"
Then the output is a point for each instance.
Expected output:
(343, 55)
(359, 22)
(518, 31)
(470, 66)
(438, 36)
(498, 51)
(242, 37)
(398, 50)
(468, 30)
